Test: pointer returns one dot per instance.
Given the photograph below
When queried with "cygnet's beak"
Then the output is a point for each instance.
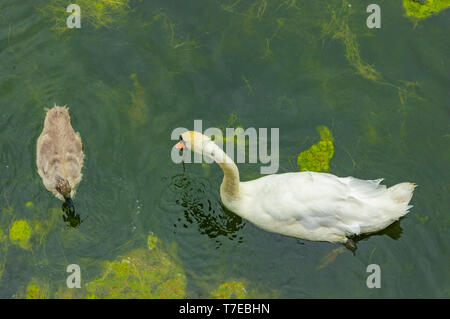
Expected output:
(69, 201)
(180, 145)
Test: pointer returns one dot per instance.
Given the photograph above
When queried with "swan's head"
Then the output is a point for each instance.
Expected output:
(201, 144)
(193, 141)
(63, 187)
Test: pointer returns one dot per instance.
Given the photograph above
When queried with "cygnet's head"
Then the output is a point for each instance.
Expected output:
(63, 187)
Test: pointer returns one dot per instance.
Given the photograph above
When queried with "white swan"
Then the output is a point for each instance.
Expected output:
(307, 205)
(59, 155)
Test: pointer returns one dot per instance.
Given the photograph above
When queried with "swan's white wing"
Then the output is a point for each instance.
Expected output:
(314, 200)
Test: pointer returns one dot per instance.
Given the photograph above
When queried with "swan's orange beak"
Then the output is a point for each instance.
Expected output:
(180, 145)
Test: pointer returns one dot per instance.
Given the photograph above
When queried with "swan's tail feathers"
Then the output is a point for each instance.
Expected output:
(402, 194)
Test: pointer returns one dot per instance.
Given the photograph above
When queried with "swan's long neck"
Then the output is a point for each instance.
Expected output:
(230, 182)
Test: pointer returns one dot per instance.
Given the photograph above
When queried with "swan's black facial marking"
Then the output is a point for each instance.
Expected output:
(181, 149)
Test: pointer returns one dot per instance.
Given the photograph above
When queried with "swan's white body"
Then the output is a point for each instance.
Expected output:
(318, 206)
(307, 205)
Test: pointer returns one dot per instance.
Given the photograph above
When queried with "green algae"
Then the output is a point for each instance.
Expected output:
(37, 290)
(6, 217)
(139, 274)
(27, 234)
(421, 218)
(342, 27)
(234, 122)
(371, 133)
(32, 233)
(417, 10)
(134, 103)
(8, 211)
(19, 233)
(317, 157)
(29, 205)
(406, 91)
(69, 293)
(338, 28)
(142, 273)
(242, 289)
(152, 241)
(169, 56)
(230, 290)
(3, 236)
(43, 225)
(168, 27)
(137, 110)
(258, 24)
(3, 250)
(247, 83)
(279, 22)
(96, 13)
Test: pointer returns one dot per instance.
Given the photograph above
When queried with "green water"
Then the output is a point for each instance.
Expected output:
(134, 73)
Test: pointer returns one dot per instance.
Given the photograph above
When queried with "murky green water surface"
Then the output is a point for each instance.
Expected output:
(136, 70)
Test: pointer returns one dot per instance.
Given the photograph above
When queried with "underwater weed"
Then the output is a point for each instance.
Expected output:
(417, 10)
(153, 273)
(339, 29)
(37, 290)
(137, 110)
(230, 290)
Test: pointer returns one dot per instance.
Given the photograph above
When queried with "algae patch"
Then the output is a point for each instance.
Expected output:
(20, 233)
(35, 290)
(152, 241)
(242, 289)
(142, 274)
(151, 272)
(230, 290)
(423, 9)
(317, 157)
